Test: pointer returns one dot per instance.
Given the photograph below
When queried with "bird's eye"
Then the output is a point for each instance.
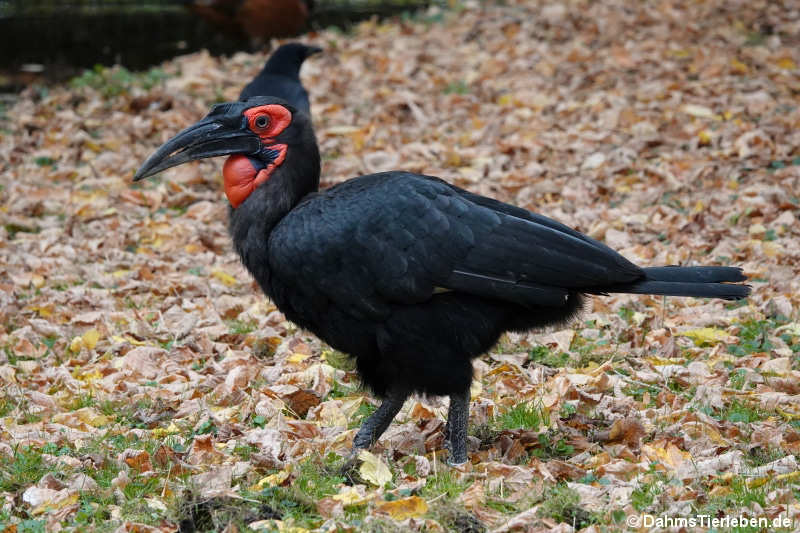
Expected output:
(262, 121)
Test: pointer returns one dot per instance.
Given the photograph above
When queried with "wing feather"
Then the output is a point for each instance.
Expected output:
(398, 238)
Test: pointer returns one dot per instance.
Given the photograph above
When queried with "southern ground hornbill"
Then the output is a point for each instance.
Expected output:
(281, 76)
(408, 274)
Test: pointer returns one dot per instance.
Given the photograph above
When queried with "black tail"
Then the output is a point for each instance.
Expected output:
(702, 282)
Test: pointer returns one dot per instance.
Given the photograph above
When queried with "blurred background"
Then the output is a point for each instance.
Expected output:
(52, 40)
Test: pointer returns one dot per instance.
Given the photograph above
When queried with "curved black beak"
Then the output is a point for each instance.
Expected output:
(222, 132)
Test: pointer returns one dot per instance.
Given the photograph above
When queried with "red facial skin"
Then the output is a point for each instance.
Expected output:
(240, 177)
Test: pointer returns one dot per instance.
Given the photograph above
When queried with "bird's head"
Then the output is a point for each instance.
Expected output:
(290, 56)
(265, 139)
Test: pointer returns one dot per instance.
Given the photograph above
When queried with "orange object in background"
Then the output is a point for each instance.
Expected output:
(256, 20)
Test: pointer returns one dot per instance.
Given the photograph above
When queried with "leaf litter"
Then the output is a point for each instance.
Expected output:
(147, 385)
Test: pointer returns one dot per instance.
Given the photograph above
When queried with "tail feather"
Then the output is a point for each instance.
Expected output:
(697, 274)
(699, 282)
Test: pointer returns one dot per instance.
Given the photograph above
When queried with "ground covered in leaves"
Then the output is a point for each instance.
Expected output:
(147, 385)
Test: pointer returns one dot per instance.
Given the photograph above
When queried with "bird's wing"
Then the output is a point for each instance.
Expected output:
(396, 238)
(281, 86)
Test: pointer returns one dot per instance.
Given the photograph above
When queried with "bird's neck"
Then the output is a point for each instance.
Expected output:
(251, 223)
(280, 67)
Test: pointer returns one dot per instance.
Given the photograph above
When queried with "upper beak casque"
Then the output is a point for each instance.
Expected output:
(222, 132)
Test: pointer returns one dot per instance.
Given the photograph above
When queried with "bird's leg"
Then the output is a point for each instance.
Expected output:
(372, 429)
(456, 429)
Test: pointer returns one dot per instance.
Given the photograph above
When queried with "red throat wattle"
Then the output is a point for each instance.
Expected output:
(241, 177)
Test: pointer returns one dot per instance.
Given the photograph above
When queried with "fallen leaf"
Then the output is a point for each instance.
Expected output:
(373, 469)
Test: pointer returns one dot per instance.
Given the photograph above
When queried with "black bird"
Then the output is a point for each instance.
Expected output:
(281, 76)
(412, 276)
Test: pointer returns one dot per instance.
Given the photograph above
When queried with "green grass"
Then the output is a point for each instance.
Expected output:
(754, 336)
(760, 456)
(739, 411)
(240, 327)
(552, 445)
(652, 485)
(24, 468)
(457, 87)
(318, 477)
(112, 82)
(444, 481)
(364, 410)
(526, 415)
(543, 355)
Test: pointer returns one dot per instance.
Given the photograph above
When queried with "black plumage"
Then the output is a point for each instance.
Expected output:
(280, 76)
(410, 275)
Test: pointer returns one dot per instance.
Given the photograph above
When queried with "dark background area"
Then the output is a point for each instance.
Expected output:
(46, 40)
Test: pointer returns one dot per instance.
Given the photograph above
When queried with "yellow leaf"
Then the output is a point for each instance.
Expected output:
(698, 207)
(504, 100)
(671, 456)
(272, 480)
(121, 272)
(88, 377)
(58, 504)
(738, 67)
(297, 357)
(75, 344)
(90, 339)
(705, 137)
(411, 507)
(225, 278)
(373, 469)
(44, 311)
(786, 63)
(475, 389)
(350, 496)
(662, 361)
(92, 417)
(705, 335)
(169, 430)
(771, 248)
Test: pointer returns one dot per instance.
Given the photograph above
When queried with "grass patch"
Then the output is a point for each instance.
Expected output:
(445, 481)
(240, 327)
(527, 415)
(362, 413)
(551, 445)
(112, 82)
(24, 468)
(739, 411)
(544, 356)
(644, 495)
(754, 337)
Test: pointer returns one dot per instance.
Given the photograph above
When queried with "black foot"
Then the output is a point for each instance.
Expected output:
(348, 469)
(372, 429)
